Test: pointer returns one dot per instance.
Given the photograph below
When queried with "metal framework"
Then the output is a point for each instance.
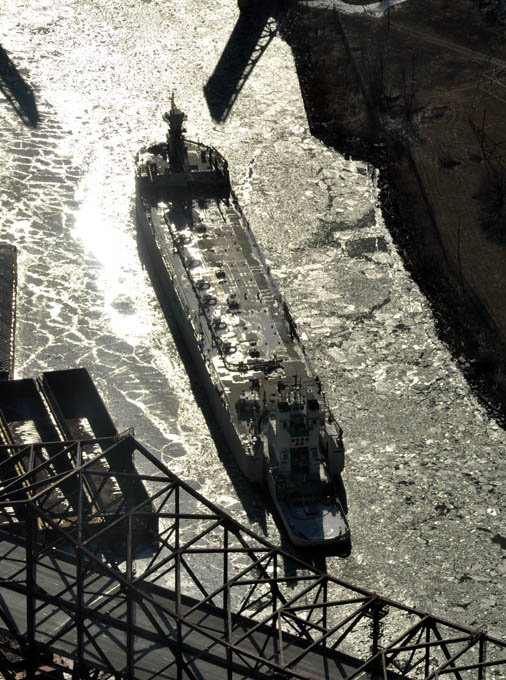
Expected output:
(169, 586)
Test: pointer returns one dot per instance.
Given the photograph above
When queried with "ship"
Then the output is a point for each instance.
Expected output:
(241, 338)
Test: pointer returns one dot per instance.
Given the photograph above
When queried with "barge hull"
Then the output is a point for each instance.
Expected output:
(253, 469)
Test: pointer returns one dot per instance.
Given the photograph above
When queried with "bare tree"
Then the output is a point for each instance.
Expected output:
(376, 63)
(494, 210)
(409, 100)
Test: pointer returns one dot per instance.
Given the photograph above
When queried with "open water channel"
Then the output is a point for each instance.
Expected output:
(425, 470)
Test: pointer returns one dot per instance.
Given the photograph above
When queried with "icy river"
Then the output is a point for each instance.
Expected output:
(425, 471)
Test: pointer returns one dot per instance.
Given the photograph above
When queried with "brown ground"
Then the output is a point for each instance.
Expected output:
(417, 81)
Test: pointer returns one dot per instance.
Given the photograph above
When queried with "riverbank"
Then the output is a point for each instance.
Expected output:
(421, 94)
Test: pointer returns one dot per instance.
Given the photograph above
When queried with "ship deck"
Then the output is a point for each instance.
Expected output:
(247, 334)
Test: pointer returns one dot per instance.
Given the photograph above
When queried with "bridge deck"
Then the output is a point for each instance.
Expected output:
(206, 598)
(108, 614)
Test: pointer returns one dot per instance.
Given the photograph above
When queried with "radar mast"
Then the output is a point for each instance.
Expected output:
(175, 139)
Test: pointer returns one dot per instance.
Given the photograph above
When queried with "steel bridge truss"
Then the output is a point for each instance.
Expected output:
(90, 589)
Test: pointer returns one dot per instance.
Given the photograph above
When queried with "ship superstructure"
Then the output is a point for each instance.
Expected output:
(240, 334)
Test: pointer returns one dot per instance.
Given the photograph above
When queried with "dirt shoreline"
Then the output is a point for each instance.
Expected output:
(411, 94)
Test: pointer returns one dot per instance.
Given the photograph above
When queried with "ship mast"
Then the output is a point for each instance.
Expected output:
(175, 140)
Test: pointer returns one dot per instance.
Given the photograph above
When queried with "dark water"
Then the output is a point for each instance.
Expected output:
(424, 473)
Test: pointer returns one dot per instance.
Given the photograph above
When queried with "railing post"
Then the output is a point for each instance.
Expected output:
(179, 641)
(130, 604)
(226, 604)
(31, 654)
(482, 657)
(427, 650)
(79, 570)
(325, 596)
(377, 612)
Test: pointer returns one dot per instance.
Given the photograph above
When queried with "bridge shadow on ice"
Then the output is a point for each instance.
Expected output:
(252, 34)
(17, 91)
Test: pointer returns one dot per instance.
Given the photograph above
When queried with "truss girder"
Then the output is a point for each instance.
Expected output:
(203, 597)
